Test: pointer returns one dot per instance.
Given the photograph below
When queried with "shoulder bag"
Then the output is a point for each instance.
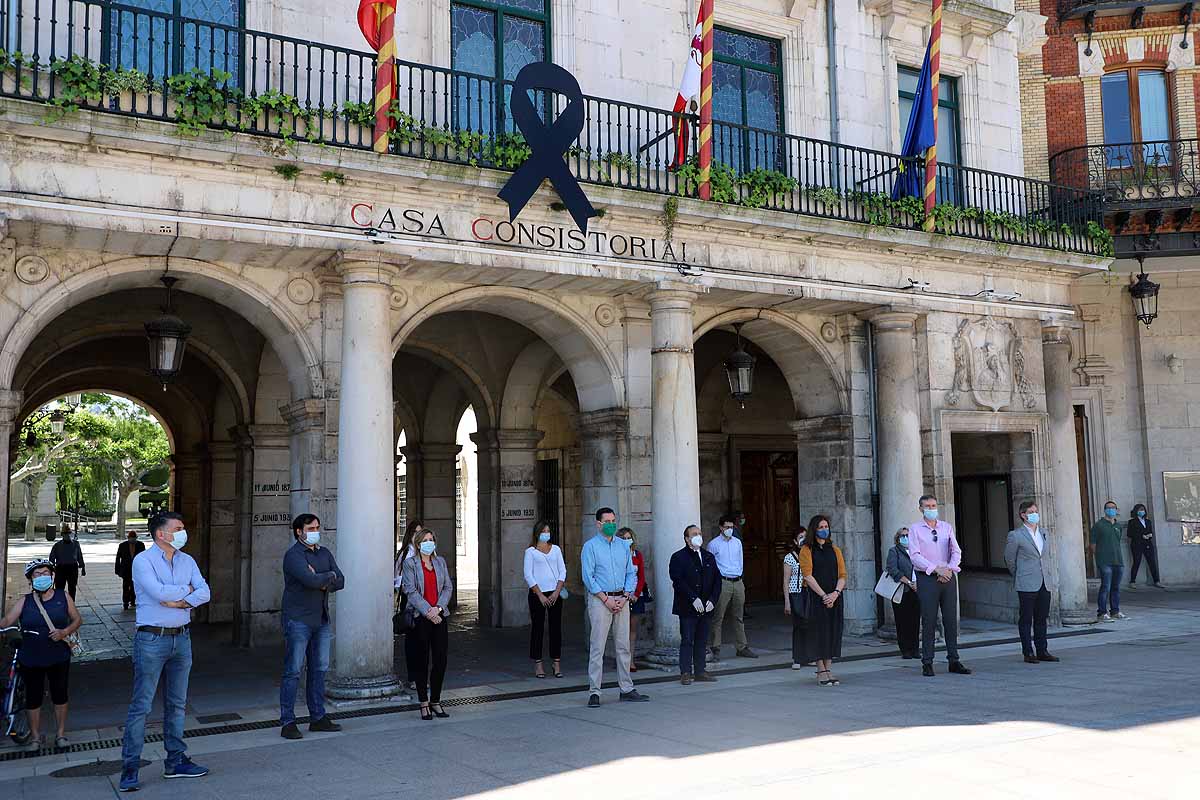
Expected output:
(889, 589)
(402, 621)
(71, 640)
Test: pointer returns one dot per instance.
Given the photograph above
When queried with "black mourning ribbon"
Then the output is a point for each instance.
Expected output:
(547, 143)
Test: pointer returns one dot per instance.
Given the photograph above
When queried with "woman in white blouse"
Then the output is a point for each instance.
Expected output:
(546, 573)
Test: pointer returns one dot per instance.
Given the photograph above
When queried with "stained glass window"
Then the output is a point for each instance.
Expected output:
(206, 37)
(747, 91)
(493, 40)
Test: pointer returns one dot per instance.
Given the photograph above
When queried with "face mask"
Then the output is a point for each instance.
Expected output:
(823, 533)
(43, 582)
(727, 533)
(800, 541)
(609, 529)
(697, 540)
(543, 537)
(1110, 512)
(427, 548)
(179, 539)
(1033, 517)
(904, 541)
(311, 538)
(930, 513)
(1141, 513)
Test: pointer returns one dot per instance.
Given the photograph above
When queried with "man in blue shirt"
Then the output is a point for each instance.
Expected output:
(610, 577)
(168, 585)
(309, 575)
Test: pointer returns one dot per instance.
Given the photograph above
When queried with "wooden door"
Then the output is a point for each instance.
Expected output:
(1085, 504)
(769, 502)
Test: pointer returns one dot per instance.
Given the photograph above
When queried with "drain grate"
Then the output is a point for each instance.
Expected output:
(209, 719)
(362, 713)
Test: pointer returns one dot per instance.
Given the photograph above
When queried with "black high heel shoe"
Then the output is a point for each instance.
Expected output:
(426, 713)
(557, 669)
(438, 711)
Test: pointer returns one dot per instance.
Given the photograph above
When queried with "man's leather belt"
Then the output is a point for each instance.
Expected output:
(162, 631)
(738, 578)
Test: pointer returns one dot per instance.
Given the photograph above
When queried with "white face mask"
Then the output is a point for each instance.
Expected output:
(312, 538)
(179, 539)
(696, 541)
(727, 533)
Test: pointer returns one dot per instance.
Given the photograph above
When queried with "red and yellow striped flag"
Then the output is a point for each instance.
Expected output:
(935, 76)
(377, 20)
(706, 93)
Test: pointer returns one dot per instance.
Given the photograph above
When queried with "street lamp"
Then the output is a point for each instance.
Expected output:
(739, 369)
(167, 335)
(57, 422)
(78, 478)
(1145, 296)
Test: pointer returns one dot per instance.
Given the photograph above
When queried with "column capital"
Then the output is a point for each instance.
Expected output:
(412, 453)
(633, 308)
(366, 267)
(891, 318)
(674, 295)
(10, 406)
(518, 438)
(712, 442)
(304, 415)
(607, 423)
(1058, 331)
(832, 428)
(431, 451)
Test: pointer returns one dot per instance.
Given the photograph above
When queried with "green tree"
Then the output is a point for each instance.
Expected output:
(37, 456)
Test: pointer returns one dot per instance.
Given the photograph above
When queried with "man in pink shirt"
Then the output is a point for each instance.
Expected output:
(935, 557)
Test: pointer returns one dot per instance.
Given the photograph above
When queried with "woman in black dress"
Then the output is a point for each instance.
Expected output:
(1140, 531)
(824, 572)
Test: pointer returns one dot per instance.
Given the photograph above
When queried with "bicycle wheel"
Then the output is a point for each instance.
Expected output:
(14, 720)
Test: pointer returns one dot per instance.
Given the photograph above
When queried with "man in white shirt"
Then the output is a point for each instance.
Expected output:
(727, 549)
(1024, 555)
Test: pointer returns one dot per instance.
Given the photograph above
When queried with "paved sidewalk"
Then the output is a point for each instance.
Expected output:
(1079, 729)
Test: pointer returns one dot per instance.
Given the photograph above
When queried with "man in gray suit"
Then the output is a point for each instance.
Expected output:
(1023, 554)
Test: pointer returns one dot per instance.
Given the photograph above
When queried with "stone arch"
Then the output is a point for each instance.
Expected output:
(254, 303)
(528, 378)
(447, 403)
(51, 392)
(594, 369)
(795, 350)
(472, 383)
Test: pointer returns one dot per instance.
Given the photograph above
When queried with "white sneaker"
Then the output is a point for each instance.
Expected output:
(1119, 615)
(1104, 618)
(797, 666)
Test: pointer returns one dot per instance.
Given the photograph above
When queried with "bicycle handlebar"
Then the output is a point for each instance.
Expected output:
(18, 628)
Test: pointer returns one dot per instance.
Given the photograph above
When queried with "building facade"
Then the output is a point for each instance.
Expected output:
(1109, 93)
(347, 307)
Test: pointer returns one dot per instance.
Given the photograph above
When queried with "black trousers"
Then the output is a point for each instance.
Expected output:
(538, 614)
(908, 622)
(1150, 553)
(128, 597)
(693, 644)
(66, 576)
(798, 634)
(424, 640)
(934, 596)
(1035, 608)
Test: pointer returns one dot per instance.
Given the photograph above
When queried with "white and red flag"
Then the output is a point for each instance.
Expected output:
(688, 99)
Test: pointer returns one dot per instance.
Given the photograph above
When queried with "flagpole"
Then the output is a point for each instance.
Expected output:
(706, 62)
(385, 74)
(935, 76)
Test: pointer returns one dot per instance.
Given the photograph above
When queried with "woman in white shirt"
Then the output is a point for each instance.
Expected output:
(546, 573)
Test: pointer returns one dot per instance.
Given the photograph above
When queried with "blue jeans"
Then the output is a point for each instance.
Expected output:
(1108, 599)
(304, 643)
(155, 656)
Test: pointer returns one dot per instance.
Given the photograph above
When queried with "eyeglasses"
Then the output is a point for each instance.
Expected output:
(935, 536)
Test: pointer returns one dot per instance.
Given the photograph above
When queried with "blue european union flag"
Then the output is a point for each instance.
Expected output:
(919, 137)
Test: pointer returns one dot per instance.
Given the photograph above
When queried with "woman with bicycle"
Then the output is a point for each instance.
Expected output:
(48, 616)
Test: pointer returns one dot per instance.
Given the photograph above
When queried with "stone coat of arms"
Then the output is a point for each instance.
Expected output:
(989, 364)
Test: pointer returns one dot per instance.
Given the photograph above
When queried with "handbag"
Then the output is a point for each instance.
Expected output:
(402, 623)
(889, 589)
(799, 603)
(71, 640)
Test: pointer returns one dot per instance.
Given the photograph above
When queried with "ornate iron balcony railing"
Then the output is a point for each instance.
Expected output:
(1131, 175)
(121, 59)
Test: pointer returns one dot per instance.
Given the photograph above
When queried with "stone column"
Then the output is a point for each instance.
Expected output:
(487, 450)
(191, 489)
(243, 535)
(439, 460)
(676, 471)
(897, 422)
(1065, 525)
(10, 406)
(222, 531)
(518, 512)
(363, 646)
(306, 447)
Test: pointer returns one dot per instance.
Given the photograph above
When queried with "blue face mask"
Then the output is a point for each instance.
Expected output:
(43, 582)
(427, 548)
(1141, 513)
(543, 537)
(823, 533)
(1111, 513)
(904, 541)
(930, 514)
(1033, 517)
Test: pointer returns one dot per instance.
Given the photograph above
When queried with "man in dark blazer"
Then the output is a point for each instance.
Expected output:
(126, 552)
(697, 583)
(1024, 554)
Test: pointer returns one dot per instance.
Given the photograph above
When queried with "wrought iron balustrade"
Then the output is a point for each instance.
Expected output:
(1080, 8)
(1132, 175)
(121, 59)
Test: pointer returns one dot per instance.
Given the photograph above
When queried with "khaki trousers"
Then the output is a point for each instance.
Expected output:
(733, 599)
(602, 620)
